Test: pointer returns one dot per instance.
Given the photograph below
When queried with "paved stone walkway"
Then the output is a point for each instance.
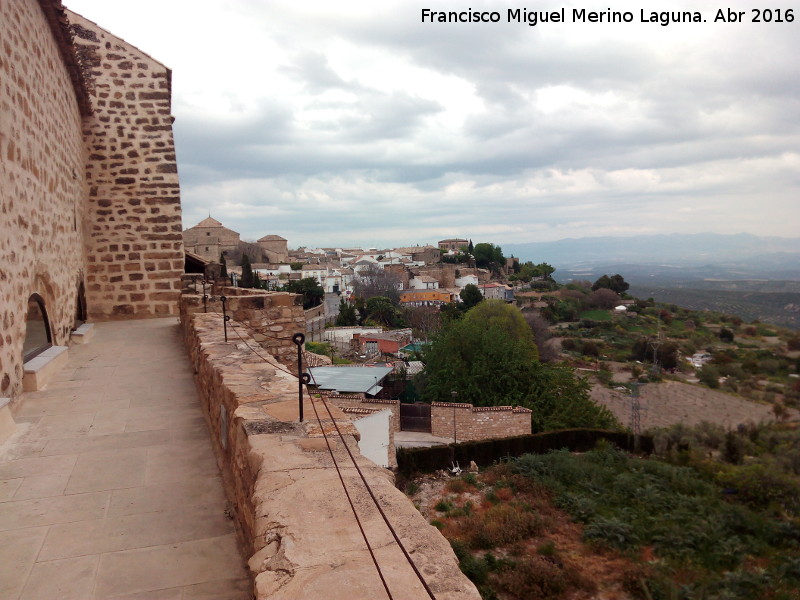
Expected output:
(109, 488)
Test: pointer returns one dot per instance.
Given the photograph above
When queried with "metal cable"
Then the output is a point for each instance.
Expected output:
(377, 504)
(341, 479)
(335, 463)
(347, 493)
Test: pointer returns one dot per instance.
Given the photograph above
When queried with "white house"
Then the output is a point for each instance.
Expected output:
(466, 280)
(423, 282)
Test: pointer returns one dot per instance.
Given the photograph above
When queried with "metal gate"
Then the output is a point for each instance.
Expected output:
(415, 417)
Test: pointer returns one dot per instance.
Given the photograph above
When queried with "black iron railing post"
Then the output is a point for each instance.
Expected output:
(298, 339)
(205, 297)
(225, 317)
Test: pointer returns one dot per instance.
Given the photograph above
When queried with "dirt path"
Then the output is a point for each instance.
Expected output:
(673, 402)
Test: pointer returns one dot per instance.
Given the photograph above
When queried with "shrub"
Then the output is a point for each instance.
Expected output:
(444, 506)
(764, 486)
(457, 486)
(502, 524)
(612, 532)
(538, 577)
(709, 375)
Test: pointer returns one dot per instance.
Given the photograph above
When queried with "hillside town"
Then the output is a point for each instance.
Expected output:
(422, 275)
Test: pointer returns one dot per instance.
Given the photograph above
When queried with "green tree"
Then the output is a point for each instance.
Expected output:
(498, 314)
(544, 270)
(223, 271)
(347, 315)
(310, 289)
(470, 296)
(489, 358)
(488, 256)
(381, 310)
(246, 280)
(256, 281)
(615, 283)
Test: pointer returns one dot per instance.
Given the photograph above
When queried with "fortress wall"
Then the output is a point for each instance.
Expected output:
(42, 184)
(134, 243)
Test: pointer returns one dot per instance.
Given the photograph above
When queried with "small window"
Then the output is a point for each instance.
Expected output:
(37, 329)
(208, 233)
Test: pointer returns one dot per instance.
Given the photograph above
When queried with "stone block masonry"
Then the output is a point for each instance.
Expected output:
(134, 246)
(42, 181)
(292, 514)
(271, 318)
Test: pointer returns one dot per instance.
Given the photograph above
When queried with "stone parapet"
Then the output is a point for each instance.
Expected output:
(292, 514)
(271, 318)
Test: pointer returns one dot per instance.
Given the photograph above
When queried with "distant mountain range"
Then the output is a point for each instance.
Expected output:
(667, 258)
(746, 275)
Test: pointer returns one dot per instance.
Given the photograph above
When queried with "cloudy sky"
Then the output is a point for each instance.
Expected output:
(352, 122)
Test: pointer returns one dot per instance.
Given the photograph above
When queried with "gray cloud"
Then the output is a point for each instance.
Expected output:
(355, 122)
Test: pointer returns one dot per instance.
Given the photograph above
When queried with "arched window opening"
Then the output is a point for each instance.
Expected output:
(37, 329)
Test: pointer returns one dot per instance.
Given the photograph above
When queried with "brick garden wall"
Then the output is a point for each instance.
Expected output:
(472, 423)
(479, 423)
(134, 243)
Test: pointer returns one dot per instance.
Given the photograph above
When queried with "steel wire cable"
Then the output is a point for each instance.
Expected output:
(377, 504)
(355, 464)
(336, 465)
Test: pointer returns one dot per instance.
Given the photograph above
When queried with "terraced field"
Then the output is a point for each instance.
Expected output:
(673, 402)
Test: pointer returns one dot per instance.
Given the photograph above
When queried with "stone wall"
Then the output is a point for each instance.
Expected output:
(292, 514)
(271, 318)
(444, 273)
(478, 423)
(42, 182)
(134, 244)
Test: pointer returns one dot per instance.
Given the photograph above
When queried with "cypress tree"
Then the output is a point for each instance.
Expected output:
(247, 273)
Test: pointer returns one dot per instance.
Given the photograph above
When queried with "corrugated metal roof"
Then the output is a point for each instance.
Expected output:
(349, 379)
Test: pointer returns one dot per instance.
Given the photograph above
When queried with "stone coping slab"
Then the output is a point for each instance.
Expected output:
(40, 369)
